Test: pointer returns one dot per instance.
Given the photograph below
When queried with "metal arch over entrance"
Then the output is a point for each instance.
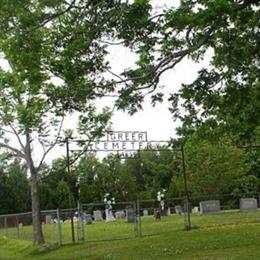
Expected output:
(121, 141)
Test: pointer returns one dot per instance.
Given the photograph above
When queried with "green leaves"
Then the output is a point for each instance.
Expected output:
(209, 163)
(93, 124)
(63, 196)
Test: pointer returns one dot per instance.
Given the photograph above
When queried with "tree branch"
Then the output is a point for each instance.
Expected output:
(165, 65)
(53, 144)
(54, 16)
(6, 131)
(111, 43)
(72, 161)
(80, 153)
(16, 151)
(17, 136)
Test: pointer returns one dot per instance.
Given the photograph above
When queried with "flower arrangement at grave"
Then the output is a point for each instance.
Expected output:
(161, 198)
(109, 201)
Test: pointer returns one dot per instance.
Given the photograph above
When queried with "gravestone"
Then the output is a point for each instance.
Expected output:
(157, 214)
(97, 215)
(48, 219)
(87, 218)
(210, 207)
(145, 212)
(109, 216)
(195, 210)
(130, 215)
(120, 214)
(168, 211)
(178, 209)
(247, 204)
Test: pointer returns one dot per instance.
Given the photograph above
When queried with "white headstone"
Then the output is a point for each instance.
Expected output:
(120, 214)
(48, 219)
(162, 204)
(145, 212)
(195, 210)
(109, 216)
(97, 215)
(87, 218)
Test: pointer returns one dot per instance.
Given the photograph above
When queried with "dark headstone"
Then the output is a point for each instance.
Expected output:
(157, 214)
(130, 215)
(247, 204)
(210, 207)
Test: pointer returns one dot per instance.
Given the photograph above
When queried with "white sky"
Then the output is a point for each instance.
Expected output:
(156, 121)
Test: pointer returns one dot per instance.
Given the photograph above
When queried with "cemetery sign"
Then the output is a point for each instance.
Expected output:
(121, 141)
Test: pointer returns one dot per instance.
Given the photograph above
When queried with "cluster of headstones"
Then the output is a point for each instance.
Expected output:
(205, 207)
(213, 206)
(128, 214)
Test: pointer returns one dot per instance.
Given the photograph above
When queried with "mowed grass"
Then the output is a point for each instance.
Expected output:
(230, 235)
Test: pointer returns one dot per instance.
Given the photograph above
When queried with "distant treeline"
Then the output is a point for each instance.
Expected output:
(213, 167)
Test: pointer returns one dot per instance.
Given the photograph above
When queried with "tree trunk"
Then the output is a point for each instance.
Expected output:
(36, 219)
(37, 228)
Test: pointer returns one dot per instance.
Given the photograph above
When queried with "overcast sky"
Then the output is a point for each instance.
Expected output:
(156, 121)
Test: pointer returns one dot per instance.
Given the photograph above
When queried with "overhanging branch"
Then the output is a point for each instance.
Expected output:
(16, 151)
(165, 64)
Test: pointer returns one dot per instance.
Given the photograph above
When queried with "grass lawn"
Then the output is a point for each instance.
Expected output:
(223, 236)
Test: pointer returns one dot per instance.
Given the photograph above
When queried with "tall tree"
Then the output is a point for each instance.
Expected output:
(225, 32)
(56, 56)
(224, 98)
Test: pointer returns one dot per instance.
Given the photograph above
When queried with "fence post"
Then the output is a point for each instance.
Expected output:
(17, 223)
(59, 226)
(80, 223)
(139, 219)
(6, 228)
(136, 220)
